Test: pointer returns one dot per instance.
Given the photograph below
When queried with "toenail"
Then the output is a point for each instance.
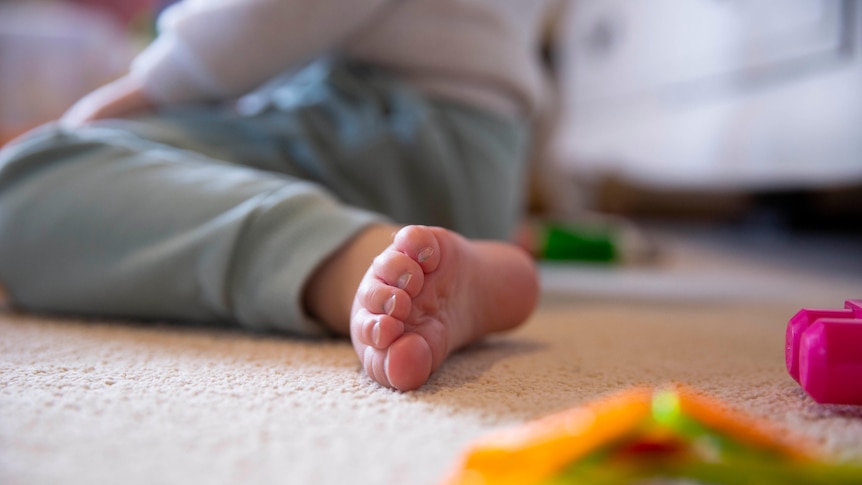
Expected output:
(425, 254)
(404, 280)
(375, 333)
(389, 305)
(386, 369)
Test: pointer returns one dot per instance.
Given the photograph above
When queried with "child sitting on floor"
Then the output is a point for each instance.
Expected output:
(186, 191)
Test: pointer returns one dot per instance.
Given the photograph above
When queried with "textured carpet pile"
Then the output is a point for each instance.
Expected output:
(93, 402)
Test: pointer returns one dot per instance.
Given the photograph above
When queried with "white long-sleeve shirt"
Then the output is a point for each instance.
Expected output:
(483, 52)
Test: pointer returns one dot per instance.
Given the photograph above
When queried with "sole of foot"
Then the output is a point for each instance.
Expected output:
(430, 293)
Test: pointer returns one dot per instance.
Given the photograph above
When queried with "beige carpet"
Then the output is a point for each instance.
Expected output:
(86, 402)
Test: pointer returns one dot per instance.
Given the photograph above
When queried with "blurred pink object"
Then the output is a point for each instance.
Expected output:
(823, 352)
(51, 54)
(125, 11)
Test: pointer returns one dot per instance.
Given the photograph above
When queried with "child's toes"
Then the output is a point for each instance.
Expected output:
(399, 270)
(374, 363)
(408, 362)
(379, 331)
(381, 299)
(420, 243)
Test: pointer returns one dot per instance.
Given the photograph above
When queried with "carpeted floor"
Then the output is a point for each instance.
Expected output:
(84, 402)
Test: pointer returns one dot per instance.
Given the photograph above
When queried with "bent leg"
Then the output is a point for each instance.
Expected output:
(99, 222)
(108, 222)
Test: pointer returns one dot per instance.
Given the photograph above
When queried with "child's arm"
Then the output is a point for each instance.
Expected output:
(221, 49)
(123, 97)
(217, 50)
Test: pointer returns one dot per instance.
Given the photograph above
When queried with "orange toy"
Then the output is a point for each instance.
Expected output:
(644, 434)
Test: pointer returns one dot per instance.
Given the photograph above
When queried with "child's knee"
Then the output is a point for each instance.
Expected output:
(28, 154)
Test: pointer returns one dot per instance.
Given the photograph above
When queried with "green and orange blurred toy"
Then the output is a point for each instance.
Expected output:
(586, 241)
(644, 435)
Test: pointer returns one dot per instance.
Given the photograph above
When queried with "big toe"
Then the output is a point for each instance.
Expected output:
(421, 244)
(408, 362)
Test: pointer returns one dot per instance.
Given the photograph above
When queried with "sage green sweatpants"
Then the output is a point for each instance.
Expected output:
(217, 215)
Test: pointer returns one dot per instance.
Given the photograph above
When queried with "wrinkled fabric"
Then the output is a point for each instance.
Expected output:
(219, 214)
(480, 52)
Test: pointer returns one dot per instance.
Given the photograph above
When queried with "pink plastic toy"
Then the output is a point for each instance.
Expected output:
(823, 352)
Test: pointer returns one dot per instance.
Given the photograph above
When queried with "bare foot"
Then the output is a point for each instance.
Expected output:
(430, 293)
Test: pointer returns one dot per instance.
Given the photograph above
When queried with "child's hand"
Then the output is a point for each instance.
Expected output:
(120, 98)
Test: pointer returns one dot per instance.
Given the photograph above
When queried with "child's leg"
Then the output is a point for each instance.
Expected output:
(134, 229)
(427, 294)
(451, 166)
(104, 222)
(99, 222)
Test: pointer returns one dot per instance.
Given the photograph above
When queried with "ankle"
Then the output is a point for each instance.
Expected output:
(329, 293)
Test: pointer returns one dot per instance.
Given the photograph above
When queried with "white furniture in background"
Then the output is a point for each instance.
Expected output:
(740, 94)
(51, 54)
